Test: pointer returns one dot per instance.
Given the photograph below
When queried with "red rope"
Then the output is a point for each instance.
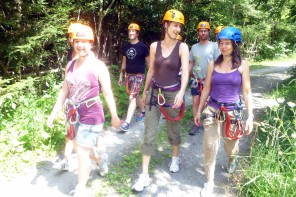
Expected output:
(179, 117)
(233, 135)
(71, 133)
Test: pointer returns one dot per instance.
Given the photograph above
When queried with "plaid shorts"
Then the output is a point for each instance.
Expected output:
(195, 87)
(134, 83)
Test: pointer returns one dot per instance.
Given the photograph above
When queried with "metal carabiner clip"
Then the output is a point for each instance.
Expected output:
(160, 97)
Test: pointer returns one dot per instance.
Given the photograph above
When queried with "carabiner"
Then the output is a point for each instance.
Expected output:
(160, 97)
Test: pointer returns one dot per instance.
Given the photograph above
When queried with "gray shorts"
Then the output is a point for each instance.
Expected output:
(88, 135)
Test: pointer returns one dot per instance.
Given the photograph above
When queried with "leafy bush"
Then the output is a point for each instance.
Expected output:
(24, 108)
(277, 50)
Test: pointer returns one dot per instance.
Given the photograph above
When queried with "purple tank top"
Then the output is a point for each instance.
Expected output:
(225, 88)
(83, 86)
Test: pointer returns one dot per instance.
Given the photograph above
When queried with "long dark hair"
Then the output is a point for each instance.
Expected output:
(163, 30)
(236, 56)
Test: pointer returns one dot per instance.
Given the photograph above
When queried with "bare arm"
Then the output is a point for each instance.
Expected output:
(205, 93)
(123, 67)
(104, 79)
(150, 72)
(247, 94)
(60, 100)
(184, 55)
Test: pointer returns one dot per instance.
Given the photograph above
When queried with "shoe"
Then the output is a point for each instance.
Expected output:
(140, 117)
(194, 130)
(231, 167)
(125, 127)
(103, 166)
(61, 165)
(207, 190)
(142, 182)
(174, 165)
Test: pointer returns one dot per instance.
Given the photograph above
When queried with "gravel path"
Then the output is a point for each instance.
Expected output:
(45, 181)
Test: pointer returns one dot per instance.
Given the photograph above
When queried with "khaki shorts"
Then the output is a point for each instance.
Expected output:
(152, 123)
(88, 135)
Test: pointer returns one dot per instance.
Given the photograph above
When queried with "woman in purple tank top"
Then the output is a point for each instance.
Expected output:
(85, 77)
(226, 77)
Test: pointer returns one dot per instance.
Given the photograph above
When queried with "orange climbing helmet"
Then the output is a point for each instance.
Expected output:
(84, 33)
(219, 29)
(179, 37)
(73, 27)
(175, 16)
(134, 26)
(203, 25)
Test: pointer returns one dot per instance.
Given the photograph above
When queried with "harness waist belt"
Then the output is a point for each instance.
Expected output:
(221, 103)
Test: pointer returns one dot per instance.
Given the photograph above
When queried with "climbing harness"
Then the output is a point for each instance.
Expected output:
(223, 116)
(72, 115)
(161, 102)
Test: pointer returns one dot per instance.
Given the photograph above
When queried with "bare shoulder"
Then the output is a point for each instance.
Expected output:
(244, 66)
(183, 45)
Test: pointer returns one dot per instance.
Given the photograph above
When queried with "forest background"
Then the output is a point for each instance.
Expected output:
(33, 48)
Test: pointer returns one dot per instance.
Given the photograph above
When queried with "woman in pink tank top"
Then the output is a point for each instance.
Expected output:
(85, 77)
(227, 77)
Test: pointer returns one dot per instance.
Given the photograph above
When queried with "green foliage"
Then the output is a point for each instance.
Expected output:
(24, 108)
(271, 169)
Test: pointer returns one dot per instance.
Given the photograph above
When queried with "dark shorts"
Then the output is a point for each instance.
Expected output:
(134, 84)
(195, 87)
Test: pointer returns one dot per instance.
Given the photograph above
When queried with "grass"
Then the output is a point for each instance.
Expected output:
(270, 170)
(120, 176)
(275, 62)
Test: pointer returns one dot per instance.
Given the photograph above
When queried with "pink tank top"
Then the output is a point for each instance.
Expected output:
(83, 86)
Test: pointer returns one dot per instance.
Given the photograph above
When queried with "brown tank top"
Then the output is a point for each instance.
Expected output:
(166, 69)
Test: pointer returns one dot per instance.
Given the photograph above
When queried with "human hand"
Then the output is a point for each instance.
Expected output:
(249, 125)
(197, 119)
(178, 100)
(116, 122)
(120, 82)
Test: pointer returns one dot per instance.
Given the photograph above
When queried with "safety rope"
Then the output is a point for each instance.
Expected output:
(162, 103)
(231, 134)
(72, 115)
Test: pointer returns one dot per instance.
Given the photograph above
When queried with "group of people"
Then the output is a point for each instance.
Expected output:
(218, 76)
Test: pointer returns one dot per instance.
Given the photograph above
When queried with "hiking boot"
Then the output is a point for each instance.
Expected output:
(142, 182)
(103, 166)
(140, 117)
(61, 165)
(125, 127)
(207, 190)
(231, 167)
(174, 165)
(194, 130)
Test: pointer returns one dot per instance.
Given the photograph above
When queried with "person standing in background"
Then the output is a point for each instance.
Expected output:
(135, 56)
(201, 54)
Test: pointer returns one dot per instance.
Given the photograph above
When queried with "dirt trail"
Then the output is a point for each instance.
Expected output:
(45, 181)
